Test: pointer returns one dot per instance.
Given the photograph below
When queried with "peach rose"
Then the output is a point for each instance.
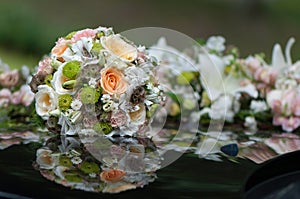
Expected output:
(60, 47)
(112, 175)
(113, 81)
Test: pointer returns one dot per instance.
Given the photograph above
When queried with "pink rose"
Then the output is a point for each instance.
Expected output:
(296, 108)
(89, 33)
(266, 75)
(287, 123)
(89, 122)
(27, 95)
(253, 64)
(10, 78)
(290, 124)
(283, 101)
(45, 67)
(5, 96)
(23, 96)
(16, 97)
(118, 118)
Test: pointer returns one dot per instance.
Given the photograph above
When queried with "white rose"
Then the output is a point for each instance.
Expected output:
(58, 80)
(46, 101)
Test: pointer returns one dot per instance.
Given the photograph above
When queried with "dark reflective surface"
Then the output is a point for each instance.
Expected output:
(188, 177)
(276, 178)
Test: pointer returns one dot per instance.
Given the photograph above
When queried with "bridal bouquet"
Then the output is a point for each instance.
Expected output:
(96, 79)
(97, 93)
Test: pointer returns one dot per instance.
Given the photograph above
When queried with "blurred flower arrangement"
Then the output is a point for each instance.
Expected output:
(17, 113)
(15, 96)
(249, 95)
(233, 89)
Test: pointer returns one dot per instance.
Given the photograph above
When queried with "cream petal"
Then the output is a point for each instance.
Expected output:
(58, 80)
(46, 101)
(211, 68)
(119, 47)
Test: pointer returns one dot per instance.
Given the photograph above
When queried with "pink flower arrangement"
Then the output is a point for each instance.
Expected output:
(23, 96)
(285, 105)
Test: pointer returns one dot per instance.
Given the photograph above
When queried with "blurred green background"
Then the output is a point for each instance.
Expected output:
(28, 29)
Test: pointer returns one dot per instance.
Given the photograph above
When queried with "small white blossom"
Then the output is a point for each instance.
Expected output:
(150, 86)
(250, 122)
(76, 104)
(109, 106)
(136, 76)
(148, 103)
(93, 82)
(105, 98)
(216, 43)
(141, 48)
(155, 90)
(92, 175)
(258, 106)
(76, 160)
(224, 107)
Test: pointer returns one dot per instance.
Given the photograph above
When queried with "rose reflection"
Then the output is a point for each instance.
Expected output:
(121, 165)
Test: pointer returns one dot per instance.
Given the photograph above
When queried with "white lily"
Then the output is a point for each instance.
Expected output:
(172, 58)
(278, 59)
(216, 83)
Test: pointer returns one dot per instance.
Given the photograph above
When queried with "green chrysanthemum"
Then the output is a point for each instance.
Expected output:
(71, 69)
(89, 167)
(65, 161)
(103, 127)
(89, 95)
(73, 178)
(64, 101)
(48, 79)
